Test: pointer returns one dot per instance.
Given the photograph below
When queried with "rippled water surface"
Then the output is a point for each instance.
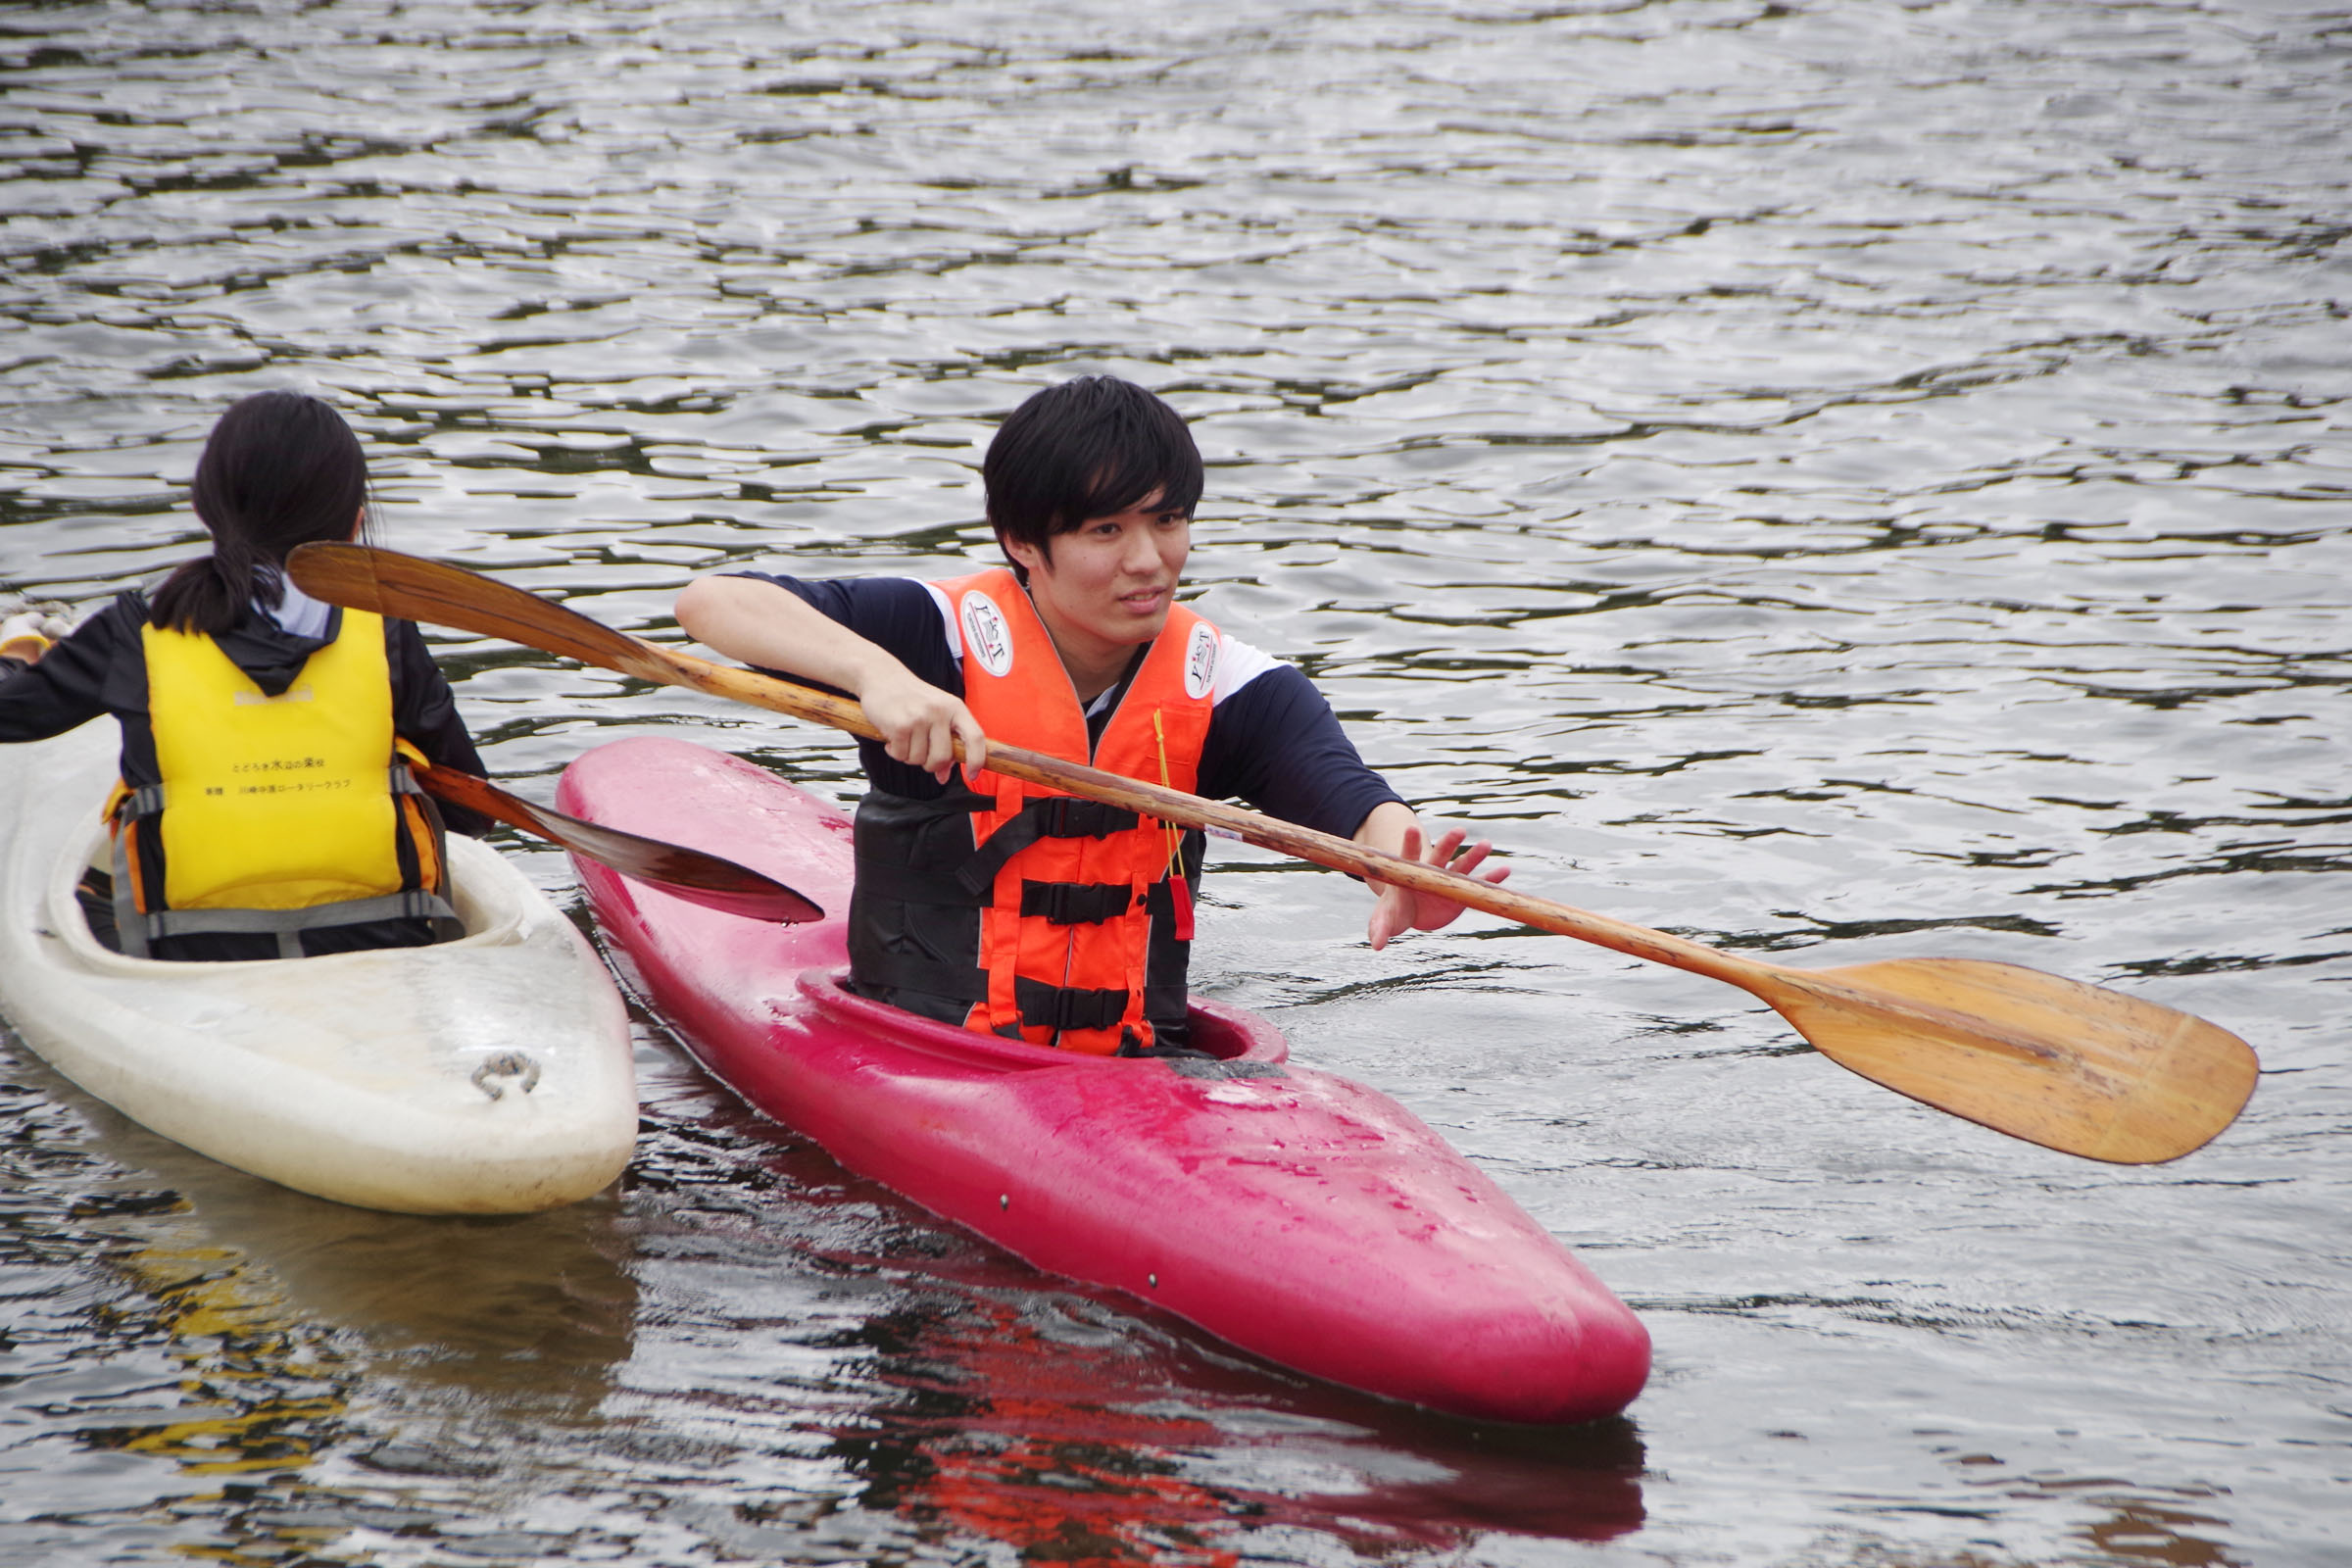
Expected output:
(1836, 480)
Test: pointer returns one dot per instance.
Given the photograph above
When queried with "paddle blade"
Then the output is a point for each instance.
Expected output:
(696, 877)
(413, 588)
(690, 874)
(2073, 1067)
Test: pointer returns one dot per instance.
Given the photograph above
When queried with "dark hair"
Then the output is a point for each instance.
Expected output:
(279, 469)
(1083, 450)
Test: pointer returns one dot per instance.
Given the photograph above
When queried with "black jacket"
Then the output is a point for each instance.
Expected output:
(102, 669)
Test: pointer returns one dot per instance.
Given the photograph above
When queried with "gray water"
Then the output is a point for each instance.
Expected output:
(1835, 480)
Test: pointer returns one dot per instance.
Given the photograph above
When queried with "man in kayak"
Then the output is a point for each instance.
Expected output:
(264, 808)
(1007, 907)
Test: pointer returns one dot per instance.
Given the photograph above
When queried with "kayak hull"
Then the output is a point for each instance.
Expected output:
(1298, 1216)
(489, 1075)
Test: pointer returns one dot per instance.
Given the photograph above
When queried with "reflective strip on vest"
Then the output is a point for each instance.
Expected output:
(1064, 936)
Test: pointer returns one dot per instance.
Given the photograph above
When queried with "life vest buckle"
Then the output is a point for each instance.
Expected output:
(1076, 903)
(1064, 1007)
(1068, 817)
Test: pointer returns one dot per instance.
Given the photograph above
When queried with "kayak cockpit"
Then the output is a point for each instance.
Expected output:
(491, 907)
(1230, 1036)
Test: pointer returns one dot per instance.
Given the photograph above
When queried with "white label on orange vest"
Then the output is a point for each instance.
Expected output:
(1200, 661)
(986, 637)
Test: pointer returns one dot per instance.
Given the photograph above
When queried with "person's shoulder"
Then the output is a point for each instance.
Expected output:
(1274, 742)
(882, 596)
(1259, 704)
(907, 615)
(402, 636)
(859, 591)
(1242, 664)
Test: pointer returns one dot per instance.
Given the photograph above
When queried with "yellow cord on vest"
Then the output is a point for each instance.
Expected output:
(1175, 837)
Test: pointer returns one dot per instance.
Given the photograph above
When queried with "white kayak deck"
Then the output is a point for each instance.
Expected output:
(491, 1074)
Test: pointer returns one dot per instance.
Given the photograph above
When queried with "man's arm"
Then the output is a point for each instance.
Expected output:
(765, 624)
(1275, 743)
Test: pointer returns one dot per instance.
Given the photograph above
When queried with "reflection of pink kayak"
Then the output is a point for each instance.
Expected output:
(1298, 1216)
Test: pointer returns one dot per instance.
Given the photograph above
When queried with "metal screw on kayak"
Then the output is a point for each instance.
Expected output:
(506, 1064)
(1004, 1200)
(1154, 1279)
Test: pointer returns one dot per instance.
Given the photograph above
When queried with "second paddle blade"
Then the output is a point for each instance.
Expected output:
(2073, 1067)
(695, 875)
(751, 896)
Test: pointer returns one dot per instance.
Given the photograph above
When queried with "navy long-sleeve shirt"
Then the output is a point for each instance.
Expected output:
(1273, 741)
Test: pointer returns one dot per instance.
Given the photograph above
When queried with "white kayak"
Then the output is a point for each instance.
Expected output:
(489, 1075)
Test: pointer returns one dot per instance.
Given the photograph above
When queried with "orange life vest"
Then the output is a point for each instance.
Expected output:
(1069, 891)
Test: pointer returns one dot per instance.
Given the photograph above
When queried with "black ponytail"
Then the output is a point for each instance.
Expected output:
(279, 469)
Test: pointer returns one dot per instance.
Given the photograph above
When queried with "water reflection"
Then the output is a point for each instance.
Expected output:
(532, 1308)
(1022, 1436)
(215, 1345)
(2156, 1532)
(961, 1394)
(246, 1284)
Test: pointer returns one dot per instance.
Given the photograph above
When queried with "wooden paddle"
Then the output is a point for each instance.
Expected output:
(690, 874)
(2071, 1067)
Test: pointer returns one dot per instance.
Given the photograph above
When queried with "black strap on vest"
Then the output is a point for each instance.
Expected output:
(1076, 903)
(912, 919)
(1059, 903)
(287, 925)
(1059, 1007)
(961, 983)
(1053, 817)
(1067, 1007)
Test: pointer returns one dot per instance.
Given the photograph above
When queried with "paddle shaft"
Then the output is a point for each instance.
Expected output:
(415, 589)
(2071, 1067)
(420, 590)
(668, 666)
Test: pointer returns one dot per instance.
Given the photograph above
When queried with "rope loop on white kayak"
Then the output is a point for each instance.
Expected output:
(506, 1064)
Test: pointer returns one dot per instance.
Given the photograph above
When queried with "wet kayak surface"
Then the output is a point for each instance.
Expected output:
(1836, 481)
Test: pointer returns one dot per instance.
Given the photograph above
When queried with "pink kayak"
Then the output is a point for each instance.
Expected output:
(1300, 1216)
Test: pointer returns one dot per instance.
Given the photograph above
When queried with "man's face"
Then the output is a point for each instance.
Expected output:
(1110, 581)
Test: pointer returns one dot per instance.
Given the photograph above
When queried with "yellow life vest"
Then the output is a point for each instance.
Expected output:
(274, 814)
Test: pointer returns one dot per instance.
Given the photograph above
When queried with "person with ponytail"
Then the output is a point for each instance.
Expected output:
(265, 807)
